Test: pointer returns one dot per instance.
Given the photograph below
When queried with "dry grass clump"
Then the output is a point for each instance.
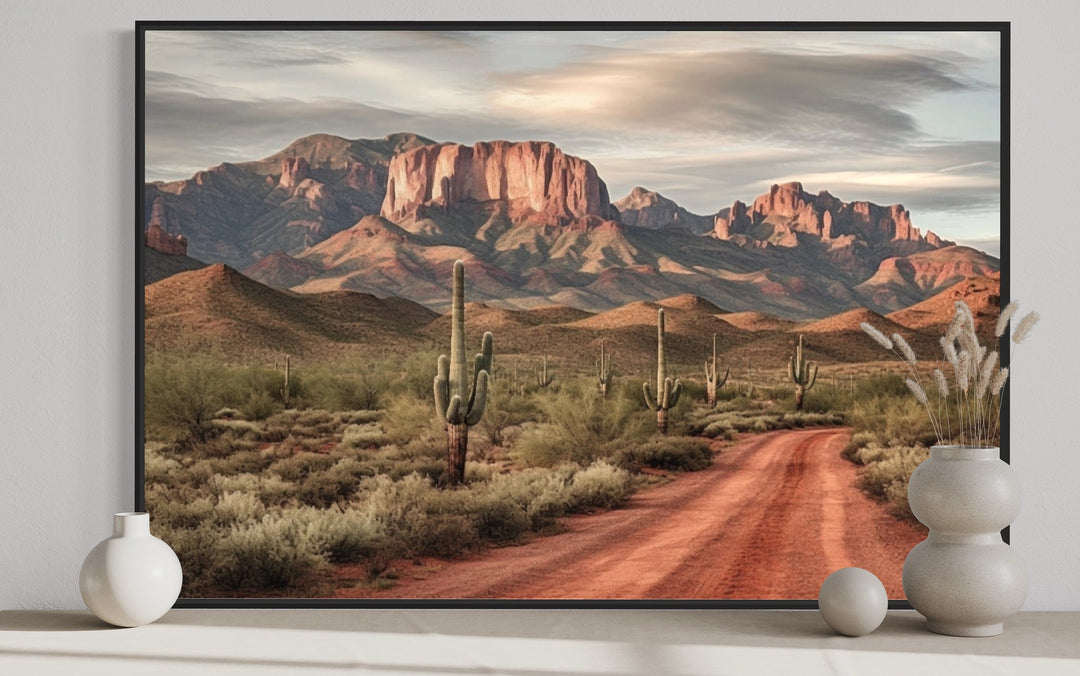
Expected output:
(886, 471)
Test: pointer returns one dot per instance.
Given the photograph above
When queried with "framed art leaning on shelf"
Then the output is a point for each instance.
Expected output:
(551, 314)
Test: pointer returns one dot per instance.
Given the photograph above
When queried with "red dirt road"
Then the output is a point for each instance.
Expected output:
(773, 516)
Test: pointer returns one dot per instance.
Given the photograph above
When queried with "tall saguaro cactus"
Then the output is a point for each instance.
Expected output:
(667, 390)
(711, 383)
(543, 378)
(285, 390)
(458, 403)
(801, 372)
(603, 370)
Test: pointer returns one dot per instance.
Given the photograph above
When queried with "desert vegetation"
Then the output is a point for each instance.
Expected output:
(265, 489)
(274, 478)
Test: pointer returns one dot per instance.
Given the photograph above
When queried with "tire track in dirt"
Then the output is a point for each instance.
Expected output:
(770, 519)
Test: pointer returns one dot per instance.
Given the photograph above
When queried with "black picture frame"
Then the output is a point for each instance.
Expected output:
(143, 27)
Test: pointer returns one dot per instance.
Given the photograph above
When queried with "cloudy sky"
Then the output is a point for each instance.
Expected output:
(705, 118)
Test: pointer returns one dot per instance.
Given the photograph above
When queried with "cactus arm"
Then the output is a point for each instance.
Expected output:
(478, 368)
(442, 387)
(720, 383)
(813, 377)
(676, 390)
(791, 370)
(453, 411)
(477, 405)
(664, 400)
(459, 373)
(649, 401)
(487, 350)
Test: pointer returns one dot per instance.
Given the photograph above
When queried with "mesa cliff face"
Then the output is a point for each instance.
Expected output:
(159, 231)
(535, 175)
(788, 209)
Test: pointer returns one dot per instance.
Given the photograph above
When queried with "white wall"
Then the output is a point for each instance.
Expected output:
(67, 273)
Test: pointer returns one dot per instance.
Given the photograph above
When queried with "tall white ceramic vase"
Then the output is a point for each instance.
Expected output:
(963, 578)
(131, 578)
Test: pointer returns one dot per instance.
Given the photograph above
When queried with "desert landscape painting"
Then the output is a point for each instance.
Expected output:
(552, 314)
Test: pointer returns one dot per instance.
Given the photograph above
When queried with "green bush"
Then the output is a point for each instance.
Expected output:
(259, 406)
(277, 553)
(300, 466)
(408, 417)
(582, 427)
(600, 485)
(181, 398)
(500, 521)
(686, 454)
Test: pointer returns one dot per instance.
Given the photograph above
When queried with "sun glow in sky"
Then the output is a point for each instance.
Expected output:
(704, 118)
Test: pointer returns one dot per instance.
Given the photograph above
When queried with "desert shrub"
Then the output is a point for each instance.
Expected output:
(886, 471)
(858, 441)
(447, 535)
(300, 466)
(235, 508)
(181, 397)
(336, 484)
(196, 548)
(158, 468)
(259, 406)
(237, 429)
(350, 536)
(178, 514)
(581, 427)
(414, 375)
(363, 435)
(275, 553)
(499, 520)
(692, 390)
(671, 453)
(504, 411)
(271, 489)
(242, 462)
(342, 390)
(541, 494)
(408, 417)
(600, 485)
(894, 419)
(358, 417)
(825, 398)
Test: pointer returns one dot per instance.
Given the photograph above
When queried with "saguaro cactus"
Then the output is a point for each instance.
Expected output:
(285, 390)
(458, 403)
(667, 390)
(711, 383)
(543, 378)
(801, 372)
(603, 370)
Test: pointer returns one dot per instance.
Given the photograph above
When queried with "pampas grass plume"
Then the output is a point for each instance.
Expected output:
(917, 390)
(1025, 326)
(941, 383)
(948, 346)
(986, 372)
(905, 348)
(999, 380)
(878, 336)
(963, 370)
(1003, 319)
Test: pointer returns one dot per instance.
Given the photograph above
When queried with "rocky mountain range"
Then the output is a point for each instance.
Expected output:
(536, 228)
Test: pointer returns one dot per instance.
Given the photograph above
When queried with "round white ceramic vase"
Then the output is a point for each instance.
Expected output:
(131, 578)
(963, 578)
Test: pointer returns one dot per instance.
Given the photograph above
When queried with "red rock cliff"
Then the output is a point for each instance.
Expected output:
(547, 181)
(162, 220)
